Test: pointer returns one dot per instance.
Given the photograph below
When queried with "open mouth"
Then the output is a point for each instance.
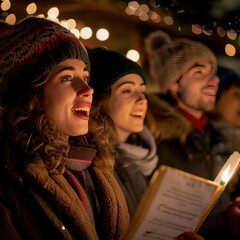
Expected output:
(138, 114)
(84, 111)
(209, 93)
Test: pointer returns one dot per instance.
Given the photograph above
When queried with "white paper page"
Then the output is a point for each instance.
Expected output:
(176, 209)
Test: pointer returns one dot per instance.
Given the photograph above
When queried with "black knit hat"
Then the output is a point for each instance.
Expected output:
(228, 78)
(30, 49)
(107, 66)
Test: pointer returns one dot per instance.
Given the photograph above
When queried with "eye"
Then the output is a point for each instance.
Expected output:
(66, 78)
(86, 79)
(127, 91)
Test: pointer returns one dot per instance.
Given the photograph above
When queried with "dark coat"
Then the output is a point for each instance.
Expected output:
(182, 147)
(37, 205)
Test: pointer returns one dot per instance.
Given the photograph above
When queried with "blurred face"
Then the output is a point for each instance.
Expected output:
(228, 105)
(68, 97)
(197, 89)
(127, 105)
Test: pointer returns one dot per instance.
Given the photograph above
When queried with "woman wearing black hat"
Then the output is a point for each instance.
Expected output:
(119, 98)
(120, 104)
(53, 183)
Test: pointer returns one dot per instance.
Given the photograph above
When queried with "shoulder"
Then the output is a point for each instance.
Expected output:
(164, 121)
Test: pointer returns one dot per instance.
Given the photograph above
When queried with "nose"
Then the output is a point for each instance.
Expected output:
(84, 90)
(141, 97)
(214, 79)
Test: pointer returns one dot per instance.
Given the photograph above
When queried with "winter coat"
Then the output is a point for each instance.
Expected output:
(231, 133)
(180, 146)
(37, 205)
(134, 164)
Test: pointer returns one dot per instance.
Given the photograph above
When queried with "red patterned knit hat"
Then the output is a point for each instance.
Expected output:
(30, 49)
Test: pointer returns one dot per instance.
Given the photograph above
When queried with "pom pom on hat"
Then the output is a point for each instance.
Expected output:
(171, 61)
(30, 49)
(156, 40)
(108, 66)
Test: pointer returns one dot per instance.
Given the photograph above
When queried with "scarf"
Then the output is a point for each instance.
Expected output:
(77, 163)
(56, 189)
(145, 158)
(198, 124)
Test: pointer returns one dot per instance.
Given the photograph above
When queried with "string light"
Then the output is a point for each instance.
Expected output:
(102, 34)
(133, 55)
(146, 11)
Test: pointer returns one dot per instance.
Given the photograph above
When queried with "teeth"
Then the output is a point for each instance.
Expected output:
(82, 109)
(210, 93)
(138, 114)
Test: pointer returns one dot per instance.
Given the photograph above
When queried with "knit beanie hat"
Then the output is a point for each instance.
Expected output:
(108, 66)
(170, 61)
(156, 40)
(228, 78)
(30, 49)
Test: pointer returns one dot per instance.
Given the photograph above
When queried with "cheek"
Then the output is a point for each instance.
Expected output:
(55, 106)
(116, 109)
(227, 108)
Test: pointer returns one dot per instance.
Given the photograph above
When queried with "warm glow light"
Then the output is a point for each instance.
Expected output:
(129, 11)
(64, 23)
(71, 23)
(31, 8)
(154, 16)
(134, 5)
(225, 175)
(133, 55)
(231, 34)
(144, 8)
(11, 19)
(230, 50)
(206, 30)
(76, 32)
(5, 5)
(143, 16)
(221, 31)
(196, 29)
(86, 33)
(168, 20)
(102, 34)
(53, 12)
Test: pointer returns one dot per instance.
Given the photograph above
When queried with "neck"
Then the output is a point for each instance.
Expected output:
(123, 136)
(197, 123)
(194, 112)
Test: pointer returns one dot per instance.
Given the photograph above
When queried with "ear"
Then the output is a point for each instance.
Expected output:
(173, 88)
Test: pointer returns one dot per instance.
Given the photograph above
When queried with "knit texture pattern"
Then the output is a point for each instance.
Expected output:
(108, 66)
(31, 48)
(169, 62)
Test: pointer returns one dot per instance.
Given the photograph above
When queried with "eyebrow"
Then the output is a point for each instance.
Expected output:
(63, 68)
(196, 65)
(128, 82)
